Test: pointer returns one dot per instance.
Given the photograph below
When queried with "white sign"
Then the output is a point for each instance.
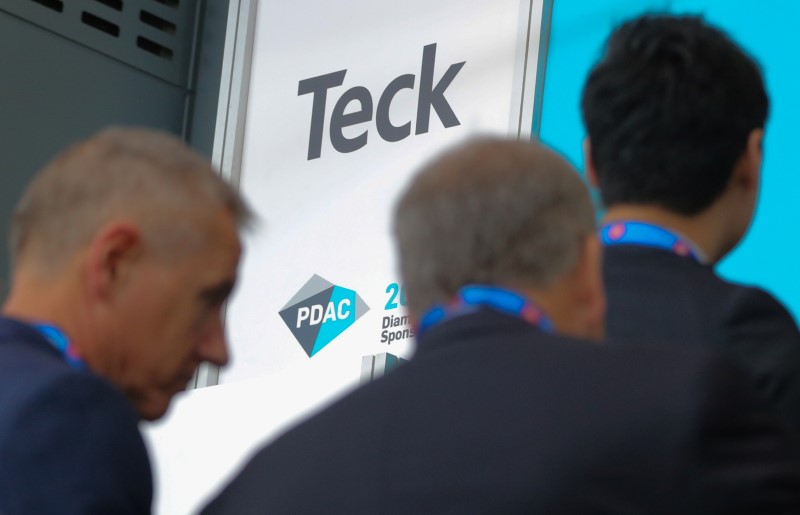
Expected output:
(347, 99)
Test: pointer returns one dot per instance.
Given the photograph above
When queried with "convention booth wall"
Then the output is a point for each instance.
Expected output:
(767, 256)
(326, 109)
(330, 109)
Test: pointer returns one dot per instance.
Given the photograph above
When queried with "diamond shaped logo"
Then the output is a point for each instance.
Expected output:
(320, 312)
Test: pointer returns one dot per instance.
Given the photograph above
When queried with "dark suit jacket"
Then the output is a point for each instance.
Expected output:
(69, 441)
(492, 416)
(655, 295)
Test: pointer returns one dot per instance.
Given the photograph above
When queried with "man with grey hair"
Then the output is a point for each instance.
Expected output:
(510, 405)
(124, 250)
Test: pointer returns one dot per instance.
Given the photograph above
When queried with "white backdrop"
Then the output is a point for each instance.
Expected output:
(330, 216)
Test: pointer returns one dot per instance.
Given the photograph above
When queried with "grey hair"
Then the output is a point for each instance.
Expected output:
(148, 176)
(490, 211)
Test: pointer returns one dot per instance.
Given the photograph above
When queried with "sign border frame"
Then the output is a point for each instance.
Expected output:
(235, 88)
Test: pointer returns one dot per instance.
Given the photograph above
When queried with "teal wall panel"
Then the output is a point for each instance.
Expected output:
(769, 32)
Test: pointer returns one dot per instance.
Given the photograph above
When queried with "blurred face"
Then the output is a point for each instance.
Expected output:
(170, 317)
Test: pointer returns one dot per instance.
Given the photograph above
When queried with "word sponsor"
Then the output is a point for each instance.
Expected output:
(395, 328)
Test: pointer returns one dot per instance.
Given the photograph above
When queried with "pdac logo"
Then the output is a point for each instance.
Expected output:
(320, 312)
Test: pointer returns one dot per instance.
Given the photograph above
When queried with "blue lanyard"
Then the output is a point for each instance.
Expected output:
(470, 298)
(59, 341)
(647, 235)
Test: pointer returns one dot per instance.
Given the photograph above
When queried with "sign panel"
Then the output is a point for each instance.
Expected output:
(347, 100)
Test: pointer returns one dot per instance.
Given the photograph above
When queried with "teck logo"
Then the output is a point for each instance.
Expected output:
(430, 97)
(320, 312)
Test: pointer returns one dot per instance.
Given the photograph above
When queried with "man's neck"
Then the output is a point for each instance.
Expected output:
(703, 230)
(35, 301)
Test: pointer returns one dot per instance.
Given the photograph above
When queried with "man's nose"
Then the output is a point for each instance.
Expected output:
(214, 348)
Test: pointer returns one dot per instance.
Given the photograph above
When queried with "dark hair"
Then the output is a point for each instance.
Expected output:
(668, 110)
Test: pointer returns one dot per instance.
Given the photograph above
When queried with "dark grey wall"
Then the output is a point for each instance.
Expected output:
(206, 80)
(55, 90)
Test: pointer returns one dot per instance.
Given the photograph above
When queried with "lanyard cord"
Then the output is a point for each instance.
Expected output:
(473, 297)
(59, 341)
(648, 235)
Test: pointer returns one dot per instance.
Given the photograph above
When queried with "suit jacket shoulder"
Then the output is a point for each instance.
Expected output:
(493, 416)
(69, 441)
(763, 336)
(740, 457)
(657, 297)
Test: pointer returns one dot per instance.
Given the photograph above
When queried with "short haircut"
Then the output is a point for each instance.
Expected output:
(668, 109)
(491, 211)
(149, 176)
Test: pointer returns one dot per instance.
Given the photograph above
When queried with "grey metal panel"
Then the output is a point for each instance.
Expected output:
(53, 92)
(126, 26)
(378, 365)
(208, 72)
(231, 115)
(235, 88)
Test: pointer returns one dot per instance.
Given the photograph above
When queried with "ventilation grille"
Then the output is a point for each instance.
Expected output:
(153, 35)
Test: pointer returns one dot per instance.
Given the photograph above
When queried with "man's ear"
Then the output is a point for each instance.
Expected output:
(588, 162)
(113, 251)
(591, 296)
(748, 170)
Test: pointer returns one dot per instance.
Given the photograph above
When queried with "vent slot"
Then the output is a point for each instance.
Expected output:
(100, 24)
(155, 36)
(157, 22)
(170, 3)
(56, 5)
(114, 4)
(154, 48)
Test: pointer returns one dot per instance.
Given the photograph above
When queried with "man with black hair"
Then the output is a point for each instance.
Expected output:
(675, 114)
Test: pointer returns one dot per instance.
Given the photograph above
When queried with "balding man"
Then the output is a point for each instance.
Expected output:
(124, 249)
(508, 405)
